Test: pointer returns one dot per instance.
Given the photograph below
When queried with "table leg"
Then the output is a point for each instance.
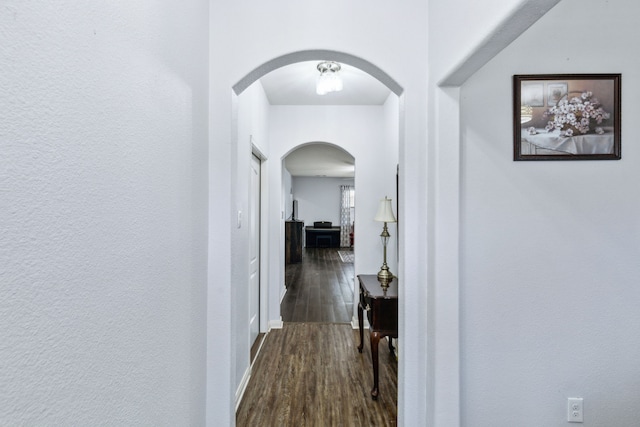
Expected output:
(361, 328)
(375, 339)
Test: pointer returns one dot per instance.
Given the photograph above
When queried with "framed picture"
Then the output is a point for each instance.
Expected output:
(580, 121)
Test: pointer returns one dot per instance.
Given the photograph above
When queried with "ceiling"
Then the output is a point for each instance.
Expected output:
(295, 84)
(320, 160)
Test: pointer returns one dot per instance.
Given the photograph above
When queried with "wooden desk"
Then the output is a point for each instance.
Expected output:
(382, 312)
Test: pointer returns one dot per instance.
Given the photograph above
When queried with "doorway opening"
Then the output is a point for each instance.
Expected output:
(370, 132)
(319, 234)
(374, 140)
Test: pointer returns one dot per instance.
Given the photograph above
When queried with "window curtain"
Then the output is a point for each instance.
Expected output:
(346, 205)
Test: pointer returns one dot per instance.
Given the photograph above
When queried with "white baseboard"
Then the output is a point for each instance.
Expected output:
(283, 293)
(276, 324)
(242, 387)
(356, 325)
(247, 375)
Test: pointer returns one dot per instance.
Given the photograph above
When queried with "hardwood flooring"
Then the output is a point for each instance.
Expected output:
(319, 289)
(311, 374)
(256, 346)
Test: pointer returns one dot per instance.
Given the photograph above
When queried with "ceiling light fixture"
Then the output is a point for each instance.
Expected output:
(329, 80)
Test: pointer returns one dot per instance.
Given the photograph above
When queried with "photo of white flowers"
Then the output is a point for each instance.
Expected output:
(567, 117)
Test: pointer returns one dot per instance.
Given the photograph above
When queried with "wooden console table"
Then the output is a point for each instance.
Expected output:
(382, 312)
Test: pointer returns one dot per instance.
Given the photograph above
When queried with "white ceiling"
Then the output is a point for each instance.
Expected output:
(320, 160)
(295, 84)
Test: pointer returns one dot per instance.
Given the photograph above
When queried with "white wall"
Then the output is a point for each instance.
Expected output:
(319, 198)
(103, 215)
(489, 26)
(287, 183)
(549, 249)
(478, 20)
(253, 119)
(453, 57)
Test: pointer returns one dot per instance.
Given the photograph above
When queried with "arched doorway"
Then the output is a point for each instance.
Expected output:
(369, 132)
(320, 213)
(367, 138)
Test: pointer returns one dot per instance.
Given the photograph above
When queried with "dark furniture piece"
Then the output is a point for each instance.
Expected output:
(322, 224)
(382, 313)
(352, 234)
(322, 235)
(293, 241)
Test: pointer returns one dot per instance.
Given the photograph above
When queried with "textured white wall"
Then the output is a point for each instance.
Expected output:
(252, 130)
(103, 213)
(485, 24)
(550, 249)
(319, 198)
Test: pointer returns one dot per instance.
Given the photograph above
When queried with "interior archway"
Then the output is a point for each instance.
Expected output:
(368, 144)
(317, 55)
(320, 158)
(275, 275)
(319, 183)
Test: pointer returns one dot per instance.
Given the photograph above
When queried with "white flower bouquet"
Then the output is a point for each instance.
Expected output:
(577, 115)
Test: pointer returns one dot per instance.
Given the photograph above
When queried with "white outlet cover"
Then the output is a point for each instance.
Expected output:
(575, 410)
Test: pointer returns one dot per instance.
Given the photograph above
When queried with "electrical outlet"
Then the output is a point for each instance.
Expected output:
(575, 410)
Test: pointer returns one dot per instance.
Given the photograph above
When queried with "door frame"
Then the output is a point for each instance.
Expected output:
(264, 236)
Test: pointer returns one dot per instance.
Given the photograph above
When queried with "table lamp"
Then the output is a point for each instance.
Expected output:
(385, 214)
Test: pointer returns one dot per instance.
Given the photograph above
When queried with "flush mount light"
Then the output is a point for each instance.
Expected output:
(329, 80)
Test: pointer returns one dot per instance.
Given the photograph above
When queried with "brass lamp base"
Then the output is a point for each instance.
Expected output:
(385, 276)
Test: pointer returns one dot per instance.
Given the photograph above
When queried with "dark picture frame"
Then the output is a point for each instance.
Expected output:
(579, 117)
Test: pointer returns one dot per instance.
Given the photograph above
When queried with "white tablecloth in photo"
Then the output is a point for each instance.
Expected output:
(578, 144)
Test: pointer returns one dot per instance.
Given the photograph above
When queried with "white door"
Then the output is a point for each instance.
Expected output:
(254, 251)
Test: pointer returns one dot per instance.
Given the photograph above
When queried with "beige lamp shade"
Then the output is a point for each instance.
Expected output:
(385, 211)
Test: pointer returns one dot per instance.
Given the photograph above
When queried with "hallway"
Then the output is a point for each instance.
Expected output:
(310, 373)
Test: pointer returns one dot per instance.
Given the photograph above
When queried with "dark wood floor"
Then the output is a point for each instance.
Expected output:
(319, 289)
(311, 374)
